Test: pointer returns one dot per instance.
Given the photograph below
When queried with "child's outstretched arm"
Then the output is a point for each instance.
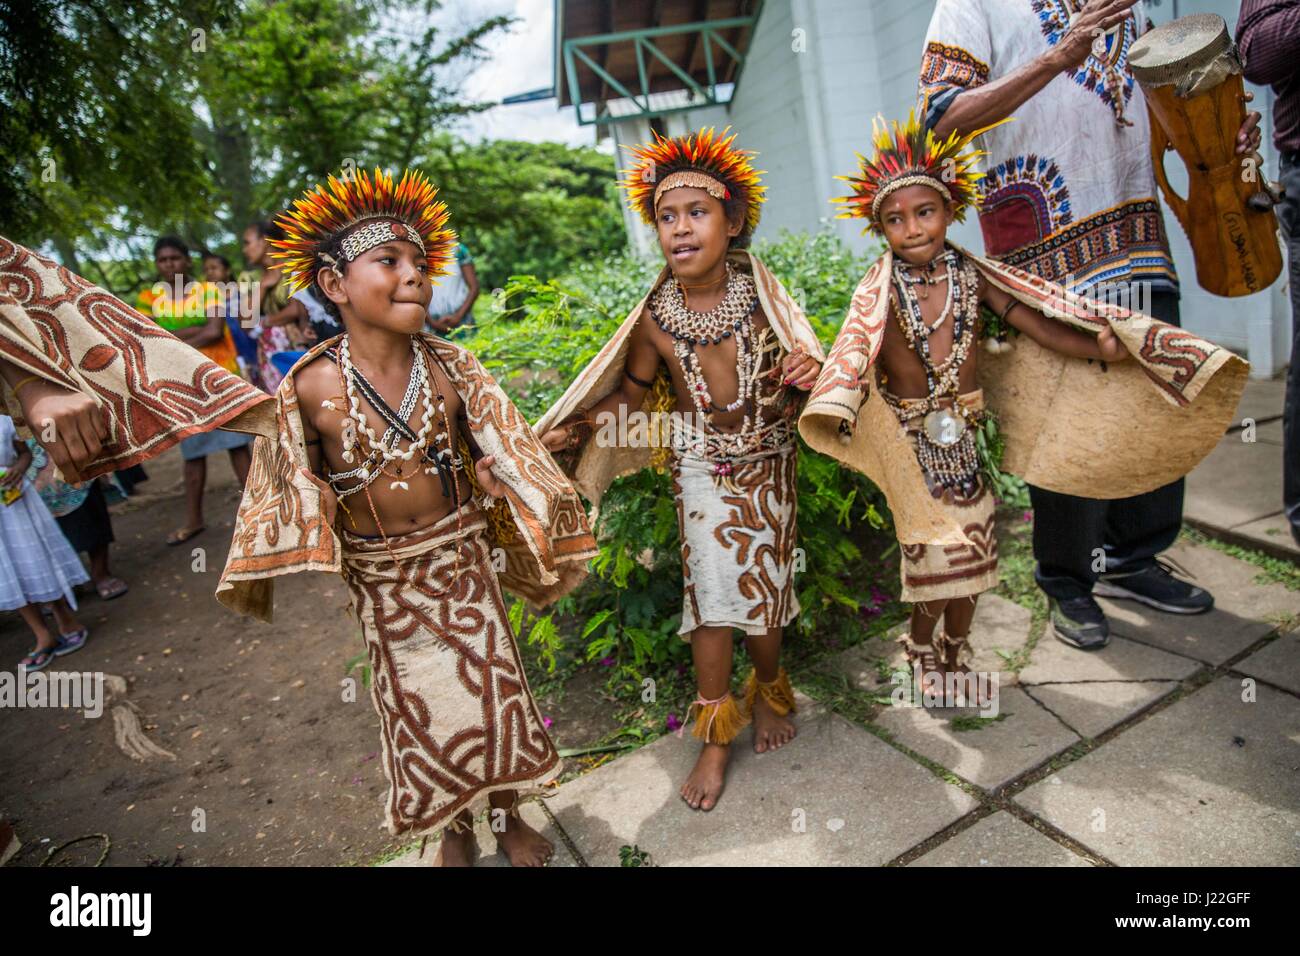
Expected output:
(75, 420)
(639, 371)
(1051, 334)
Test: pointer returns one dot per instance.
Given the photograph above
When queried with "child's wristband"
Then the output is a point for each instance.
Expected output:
(26, 381)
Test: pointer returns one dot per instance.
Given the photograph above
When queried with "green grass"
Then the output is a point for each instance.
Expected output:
(1271, 570)
(971, 722)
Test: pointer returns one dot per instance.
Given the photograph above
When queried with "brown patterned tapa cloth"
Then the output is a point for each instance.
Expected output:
(941, 571)
(154, 388)
(281, 527)
(457, 720)
(738, 542)
(1070, 425)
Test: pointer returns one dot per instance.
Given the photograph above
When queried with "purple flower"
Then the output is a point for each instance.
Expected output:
(1028, 516)
(546, 722)
(607, 662)
(673, 722)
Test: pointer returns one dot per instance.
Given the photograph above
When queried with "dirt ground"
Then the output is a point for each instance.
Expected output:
(282, 768)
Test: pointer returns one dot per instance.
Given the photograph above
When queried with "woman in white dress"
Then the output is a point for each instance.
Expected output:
(37, 565)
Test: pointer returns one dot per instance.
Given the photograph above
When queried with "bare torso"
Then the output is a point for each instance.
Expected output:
(718, 363)
(899, 363)
(398, 510)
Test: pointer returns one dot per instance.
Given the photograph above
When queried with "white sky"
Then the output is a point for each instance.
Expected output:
(521, 60)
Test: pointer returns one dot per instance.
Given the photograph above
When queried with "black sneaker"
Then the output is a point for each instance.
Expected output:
(1156, 587)
(1080, 623)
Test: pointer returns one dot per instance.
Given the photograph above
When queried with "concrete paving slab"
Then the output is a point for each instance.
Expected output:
(1261, 399)
(1278, 663)
(836, 795)
(996, 752)
(1270, 432)
(1244, 610)
(1238, 482)
(1093, 707)
(1000, 840)
(1208, 781)
(1271, 534)
(1055, 662)
(999, 627)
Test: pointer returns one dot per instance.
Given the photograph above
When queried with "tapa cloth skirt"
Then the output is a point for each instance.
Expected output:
(938, 572)
(457, 719)
(738, 541)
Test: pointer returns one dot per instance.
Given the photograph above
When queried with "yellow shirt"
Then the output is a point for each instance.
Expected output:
(157, 303)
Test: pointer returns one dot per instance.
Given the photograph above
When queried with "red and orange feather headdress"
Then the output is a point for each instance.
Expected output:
(909, 155)
(325, 211)
(703, 151)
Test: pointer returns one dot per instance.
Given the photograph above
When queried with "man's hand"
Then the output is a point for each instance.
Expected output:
(800, 369)
(1250, 135)
(1096, 17)
(489, 482)
(75, 422)
(555, 439)
(1111, 348)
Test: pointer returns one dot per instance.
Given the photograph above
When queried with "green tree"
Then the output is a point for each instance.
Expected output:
(124, 118)
(92, 94)
(528, 208)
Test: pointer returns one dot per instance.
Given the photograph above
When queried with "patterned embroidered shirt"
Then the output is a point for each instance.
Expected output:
(1268, 33)
(1069, 192)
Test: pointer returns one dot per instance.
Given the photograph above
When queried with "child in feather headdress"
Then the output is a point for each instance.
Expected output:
(720, 346)
(441, 485)
(445, 494)
(914, 328)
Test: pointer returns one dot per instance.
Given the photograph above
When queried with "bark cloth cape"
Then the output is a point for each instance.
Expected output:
(158, 390)
(597, 466)
(1070, 425)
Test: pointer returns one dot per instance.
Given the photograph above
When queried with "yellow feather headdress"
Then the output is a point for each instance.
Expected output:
(680, 160)
(325, 211)
(909, 155)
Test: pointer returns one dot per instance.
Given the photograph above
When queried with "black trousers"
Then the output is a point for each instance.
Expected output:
(1289, 213)
(1129, 531)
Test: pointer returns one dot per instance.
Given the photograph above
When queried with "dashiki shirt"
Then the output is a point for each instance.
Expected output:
(1069, 192)
(191, 311)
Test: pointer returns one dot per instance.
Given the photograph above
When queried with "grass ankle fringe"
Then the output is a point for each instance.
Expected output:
(778, 693)
(717, 721)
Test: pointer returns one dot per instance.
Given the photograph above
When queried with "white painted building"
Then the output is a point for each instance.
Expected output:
(810, 76)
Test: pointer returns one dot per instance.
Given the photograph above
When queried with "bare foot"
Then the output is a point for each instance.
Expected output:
(522, 845)
(456, 849)
(704, 786)
(771, 730)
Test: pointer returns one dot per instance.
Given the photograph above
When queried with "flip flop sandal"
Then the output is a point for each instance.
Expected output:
(180, 537)
(71, 642)
(39, 659)
(108, 592)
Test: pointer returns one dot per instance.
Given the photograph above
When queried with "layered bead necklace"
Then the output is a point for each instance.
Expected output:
(946, 449)
(381, 451)
(732, 317)
(376, 452)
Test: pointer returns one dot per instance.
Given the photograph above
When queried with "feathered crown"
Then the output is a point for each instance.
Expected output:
(911, 155)
(409, 211)
(701, 159)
